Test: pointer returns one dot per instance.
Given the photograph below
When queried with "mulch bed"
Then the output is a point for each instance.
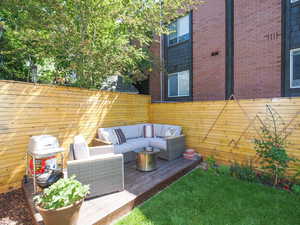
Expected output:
(14, 209)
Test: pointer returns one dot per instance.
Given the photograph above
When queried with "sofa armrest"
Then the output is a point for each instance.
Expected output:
(95, 159)
(173, 138)
(175, 147)
(102, 141)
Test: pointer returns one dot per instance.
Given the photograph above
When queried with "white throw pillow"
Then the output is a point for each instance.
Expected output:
(148, 131)
(170, 132)
(81, 149)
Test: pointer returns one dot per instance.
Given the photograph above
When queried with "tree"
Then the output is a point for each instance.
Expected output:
(92, 38)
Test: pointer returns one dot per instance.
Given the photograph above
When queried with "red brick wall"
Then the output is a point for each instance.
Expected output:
(257, 58)
(257, 61)
(154, 78)
(208, 37)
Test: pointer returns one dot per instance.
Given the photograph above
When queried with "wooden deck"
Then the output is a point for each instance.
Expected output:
(139, 186)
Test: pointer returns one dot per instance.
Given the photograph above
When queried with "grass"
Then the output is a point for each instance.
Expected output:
(201, 198)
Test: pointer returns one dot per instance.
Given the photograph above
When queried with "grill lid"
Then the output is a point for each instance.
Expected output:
(43, 144)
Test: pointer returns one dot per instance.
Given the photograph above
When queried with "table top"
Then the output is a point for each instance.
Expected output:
(148, 150)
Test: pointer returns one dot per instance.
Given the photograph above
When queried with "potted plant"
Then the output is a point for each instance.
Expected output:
(60, 203)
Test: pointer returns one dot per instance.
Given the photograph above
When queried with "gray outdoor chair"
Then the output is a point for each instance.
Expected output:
(102, 170)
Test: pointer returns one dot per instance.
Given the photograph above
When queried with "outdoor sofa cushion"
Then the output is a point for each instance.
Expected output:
(148, 131)
(171, 130)
(119, 136)
(135, 136)
(139, 143)
(81, 149)
(131, 145)
(158, 143)
(132, 131)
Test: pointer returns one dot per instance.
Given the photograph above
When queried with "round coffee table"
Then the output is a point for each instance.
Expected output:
(146, 159)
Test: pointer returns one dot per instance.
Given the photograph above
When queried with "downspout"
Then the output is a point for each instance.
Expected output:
(162, 66)
(161, 56)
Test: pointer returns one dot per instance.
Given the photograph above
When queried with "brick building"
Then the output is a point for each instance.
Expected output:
(247, 48)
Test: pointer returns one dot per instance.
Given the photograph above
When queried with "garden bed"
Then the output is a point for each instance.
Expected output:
(14, 209)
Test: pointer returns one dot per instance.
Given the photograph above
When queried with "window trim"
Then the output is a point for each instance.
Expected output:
(178, 96)
(291, 67)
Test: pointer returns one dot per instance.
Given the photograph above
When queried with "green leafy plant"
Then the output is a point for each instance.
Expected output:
(265, 178)
(295, 177)
(211, 164)
(243, 172)
(224, 170)
(296, 189)
(62, 193)
(271, 146)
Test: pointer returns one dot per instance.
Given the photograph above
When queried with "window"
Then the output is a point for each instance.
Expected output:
(179, 84)
(293, 1)
(295, 68)
(179, 30)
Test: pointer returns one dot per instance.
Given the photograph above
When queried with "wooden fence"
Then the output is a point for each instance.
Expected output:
(226, 129)
(28, 109)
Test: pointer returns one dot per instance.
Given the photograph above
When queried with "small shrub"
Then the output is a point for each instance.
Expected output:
(63, 193)
(265, 178)
(243, 172)
(212, 164)
(271, 146)
(296, 189)
(223, 170)
(295, 177)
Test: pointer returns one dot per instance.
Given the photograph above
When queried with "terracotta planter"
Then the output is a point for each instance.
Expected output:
(62, 216)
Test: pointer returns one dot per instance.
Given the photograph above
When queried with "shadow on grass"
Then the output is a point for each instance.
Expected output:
(201, 198)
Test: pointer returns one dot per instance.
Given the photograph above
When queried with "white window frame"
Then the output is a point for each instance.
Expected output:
(177, 37)
(177, 73)
(292, 67)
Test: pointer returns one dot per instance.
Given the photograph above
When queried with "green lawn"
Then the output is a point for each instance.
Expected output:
(205, 199)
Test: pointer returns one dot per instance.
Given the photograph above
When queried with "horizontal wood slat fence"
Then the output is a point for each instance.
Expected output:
(27, 109)
(226, 129)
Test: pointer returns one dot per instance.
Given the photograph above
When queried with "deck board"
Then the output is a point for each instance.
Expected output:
(139, 186)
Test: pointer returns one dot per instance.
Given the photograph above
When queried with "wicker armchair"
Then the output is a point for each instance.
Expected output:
(103, 171)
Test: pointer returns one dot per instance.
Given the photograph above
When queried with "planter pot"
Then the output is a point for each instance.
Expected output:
(63, 216)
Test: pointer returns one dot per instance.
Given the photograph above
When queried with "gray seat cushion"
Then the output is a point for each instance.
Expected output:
(123, 148)
(158, 130)
(132, 131)
(158, 143)
(131, 145)
(139, 142)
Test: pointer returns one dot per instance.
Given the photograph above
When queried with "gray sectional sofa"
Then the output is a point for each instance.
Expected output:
(167, 138)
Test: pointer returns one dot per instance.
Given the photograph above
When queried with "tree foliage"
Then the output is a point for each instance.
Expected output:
(92, 38)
